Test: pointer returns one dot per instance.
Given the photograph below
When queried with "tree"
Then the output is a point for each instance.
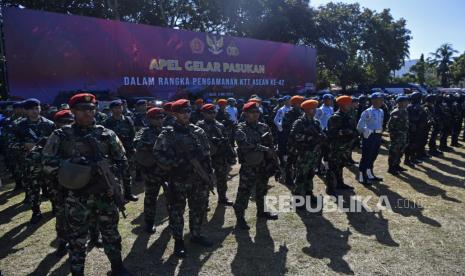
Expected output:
(385, 43)
(442, 60)
(458, 69)
(420, 70)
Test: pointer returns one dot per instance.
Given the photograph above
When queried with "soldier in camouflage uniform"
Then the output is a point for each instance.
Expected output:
(306, 136)
(100, 117)
(220, 150)
(253, 154)
(428, 107)
(418, 121)
(123, 126)
(169, 119)
(398, 127)
(153, 175)
(139, 118)
(13, 161)
(28, 137)
(179, 149)
(72, 144)
(223, 117)
(197, 112)
(341, 133)
(447, 120)
(456, 110)
(435, 109)
(288, 120)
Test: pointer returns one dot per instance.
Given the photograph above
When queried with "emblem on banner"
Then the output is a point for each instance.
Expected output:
(215, 44)
(197, 46)
(232, 50)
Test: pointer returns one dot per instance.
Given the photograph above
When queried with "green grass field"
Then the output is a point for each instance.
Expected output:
(424, 234)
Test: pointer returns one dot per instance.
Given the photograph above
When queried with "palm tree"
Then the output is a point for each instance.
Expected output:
(442, 59)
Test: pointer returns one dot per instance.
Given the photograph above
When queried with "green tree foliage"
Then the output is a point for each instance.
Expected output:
(442, 60)
(458, 69)
(419, 69)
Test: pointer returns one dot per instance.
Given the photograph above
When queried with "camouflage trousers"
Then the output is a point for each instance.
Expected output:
(152, 188)
(338, 157)
(396, 149)
(220, 167)
(34, 181)
(251, 177)
(79, 209)
(58, 205)
(127, 174)
(189, 189)
(305, 171)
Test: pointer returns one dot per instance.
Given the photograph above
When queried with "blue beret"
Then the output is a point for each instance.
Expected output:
(141, 102)
(327, 96)
(286, 98)
(30, 103)
(18, 104)
(377, 95)
(401, 99)
(116, 103)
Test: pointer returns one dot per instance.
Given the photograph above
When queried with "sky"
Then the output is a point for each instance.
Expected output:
(432, 22)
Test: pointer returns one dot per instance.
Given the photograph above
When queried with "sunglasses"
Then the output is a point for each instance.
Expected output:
(185, 110)
(85, 108)
(254, 111)
(210, 112)
(160, 117)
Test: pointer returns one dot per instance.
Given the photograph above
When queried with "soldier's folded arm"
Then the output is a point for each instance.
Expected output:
(50, 158)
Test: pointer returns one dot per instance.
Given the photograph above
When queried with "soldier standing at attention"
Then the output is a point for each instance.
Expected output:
(398, 132)
(288, 120)
(139, 118)
(27, 133)
(341, 134)
(152, 174)
(197, 112)
(307, 137)
(418, 121)
(169, 118)
(123, 126)
(370, 126)
(179, 149)
(88, 193)
(252, 157)
(220, 150)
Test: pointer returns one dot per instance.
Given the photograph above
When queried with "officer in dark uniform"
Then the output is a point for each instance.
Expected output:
(123, 126)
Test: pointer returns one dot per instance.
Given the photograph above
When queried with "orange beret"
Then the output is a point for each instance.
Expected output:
(82, 98)
(153, 112)
(222, 102)
(179, 105)
(249, 106)
(208, 107)
(167, 106)
(199, 101)
(63, 115)
(255, 100)
(344, 100)
(309, 104)
(295, 100)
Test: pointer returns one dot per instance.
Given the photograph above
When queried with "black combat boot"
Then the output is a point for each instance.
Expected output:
(36, 216)
(393, 171)
(150, 227)
(179, 248)
(118, 269)
(223, 200)
(62, 249)
(241, 223)
(129, 196)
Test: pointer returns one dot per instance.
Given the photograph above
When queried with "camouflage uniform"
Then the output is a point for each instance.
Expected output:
(305, 143)
(253, 172)
(288, 120)
(153, 175)
(221, 151)
(27, 131)
(341, 134)
(100, 117)
(169, 120)
(13, 160)
(173, 149)
(125, 130)
(140, 120)
(398, 127)
(70, 143)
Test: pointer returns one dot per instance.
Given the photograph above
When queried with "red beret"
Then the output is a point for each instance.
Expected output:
(296, 100)
(344, 100)
(222, 102)
(249, 106)
(180, 104)
(199, 101)
(167, 106)
(82, 98)
(64, 114)
(153, 112)
(309, 104)
(254, 100)
(207, 107)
